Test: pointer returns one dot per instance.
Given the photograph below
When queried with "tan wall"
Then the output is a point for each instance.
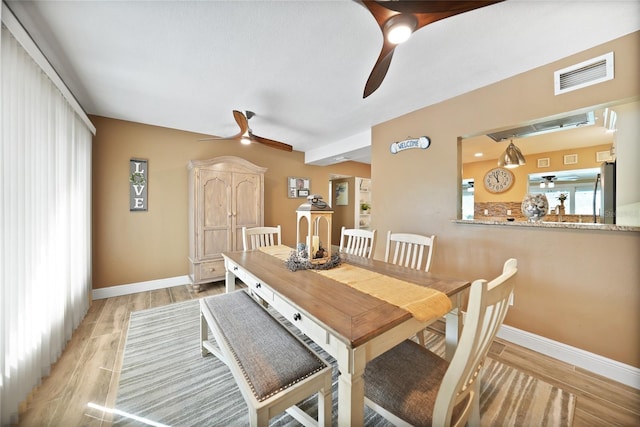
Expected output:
(577, 287)
(131, 247)
(476, 171)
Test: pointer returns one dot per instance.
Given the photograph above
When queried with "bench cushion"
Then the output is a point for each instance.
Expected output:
(270, 357)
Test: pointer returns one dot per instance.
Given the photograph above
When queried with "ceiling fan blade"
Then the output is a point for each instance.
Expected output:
(379, 70)
(425, 13)
(220, 138)
(430, 12)
(421, 6)
(270, 142)
(380, 11)
(242, 122)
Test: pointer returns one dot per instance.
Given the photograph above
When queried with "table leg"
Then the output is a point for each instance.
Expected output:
(453, 329)
(229, 281)
(351, 389)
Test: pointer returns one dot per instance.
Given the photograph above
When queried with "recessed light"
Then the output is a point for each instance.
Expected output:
(478, 155)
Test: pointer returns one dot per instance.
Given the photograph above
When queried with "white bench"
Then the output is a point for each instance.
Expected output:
(273, 368)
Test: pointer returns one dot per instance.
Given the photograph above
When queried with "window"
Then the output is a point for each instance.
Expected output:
(579, 198)
(467, 199)
(577, 184)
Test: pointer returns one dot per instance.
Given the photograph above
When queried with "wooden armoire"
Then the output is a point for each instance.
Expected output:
(225, 194)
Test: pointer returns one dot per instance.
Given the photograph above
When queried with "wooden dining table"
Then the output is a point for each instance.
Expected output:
(352, 326)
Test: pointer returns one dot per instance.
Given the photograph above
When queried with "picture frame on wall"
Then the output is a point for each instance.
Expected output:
(544, 163)
(138, 185)
(570, 159)
(342, 193)
(298, 187)
(603, 156)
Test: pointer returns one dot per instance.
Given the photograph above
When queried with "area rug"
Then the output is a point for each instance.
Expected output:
(165, 381)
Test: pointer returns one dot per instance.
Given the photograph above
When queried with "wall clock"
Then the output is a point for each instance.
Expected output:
(498, 180)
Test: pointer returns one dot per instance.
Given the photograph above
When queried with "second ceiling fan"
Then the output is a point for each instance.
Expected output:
(398, 19)
(246, 134)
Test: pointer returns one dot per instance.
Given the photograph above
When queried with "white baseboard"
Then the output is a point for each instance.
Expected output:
(611, 369)
(592, 362)
(132, 288)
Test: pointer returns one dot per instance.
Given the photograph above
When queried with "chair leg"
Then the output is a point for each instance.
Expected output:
(204, 334)
(420, 336)
(474, 416)
(325, 405)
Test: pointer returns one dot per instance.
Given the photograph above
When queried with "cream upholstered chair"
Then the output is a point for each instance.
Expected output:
(410, 384)
(256, 237)
(410, 250)
(357, 241)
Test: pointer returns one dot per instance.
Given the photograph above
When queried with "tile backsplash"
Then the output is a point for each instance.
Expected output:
(498, 211)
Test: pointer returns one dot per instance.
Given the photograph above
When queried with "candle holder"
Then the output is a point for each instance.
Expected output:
(317, 213)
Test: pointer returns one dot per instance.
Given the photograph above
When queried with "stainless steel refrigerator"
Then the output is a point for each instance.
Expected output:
(607, 181)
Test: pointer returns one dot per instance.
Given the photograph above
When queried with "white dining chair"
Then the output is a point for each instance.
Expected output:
(410, 385)
(357, 241)
(256, 237)
(410, 250)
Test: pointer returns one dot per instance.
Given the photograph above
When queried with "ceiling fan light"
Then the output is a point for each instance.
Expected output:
(548, 181)
(399, 28)
(399, 34)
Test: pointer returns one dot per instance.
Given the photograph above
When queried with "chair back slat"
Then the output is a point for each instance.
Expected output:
(409, 250)
(257, 237)
(357, 241)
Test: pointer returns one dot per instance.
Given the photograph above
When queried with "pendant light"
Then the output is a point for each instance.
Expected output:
(512, 157)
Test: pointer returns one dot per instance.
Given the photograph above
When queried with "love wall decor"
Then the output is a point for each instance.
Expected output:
(138, 169)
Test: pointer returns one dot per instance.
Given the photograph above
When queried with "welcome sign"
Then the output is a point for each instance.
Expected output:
(138, 169)
(422, 142)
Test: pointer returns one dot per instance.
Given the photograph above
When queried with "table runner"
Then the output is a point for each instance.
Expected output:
(422, 302)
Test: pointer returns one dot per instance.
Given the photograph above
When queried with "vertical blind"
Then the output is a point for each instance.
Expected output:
(45, 222)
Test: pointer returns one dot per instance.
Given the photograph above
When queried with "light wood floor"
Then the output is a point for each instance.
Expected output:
(88, 370)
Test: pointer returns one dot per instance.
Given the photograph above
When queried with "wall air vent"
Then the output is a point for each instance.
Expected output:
(584, 74)
(553, 125)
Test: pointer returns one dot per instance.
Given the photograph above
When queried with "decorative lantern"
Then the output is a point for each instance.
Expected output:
(318, 217)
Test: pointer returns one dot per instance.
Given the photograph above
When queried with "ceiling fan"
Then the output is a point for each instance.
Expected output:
(246, 135)
(398, 19)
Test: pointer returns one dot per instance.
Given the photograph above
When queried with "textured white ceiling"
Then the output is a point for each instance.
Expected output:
(301, 66)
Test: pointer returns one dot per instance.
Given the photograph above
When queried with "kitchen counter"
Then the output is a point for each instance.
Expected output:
(545, 224)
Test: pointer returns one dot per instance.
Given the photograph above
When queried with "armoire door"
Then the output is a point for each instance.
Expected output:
(216, 213)
(246, 204)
